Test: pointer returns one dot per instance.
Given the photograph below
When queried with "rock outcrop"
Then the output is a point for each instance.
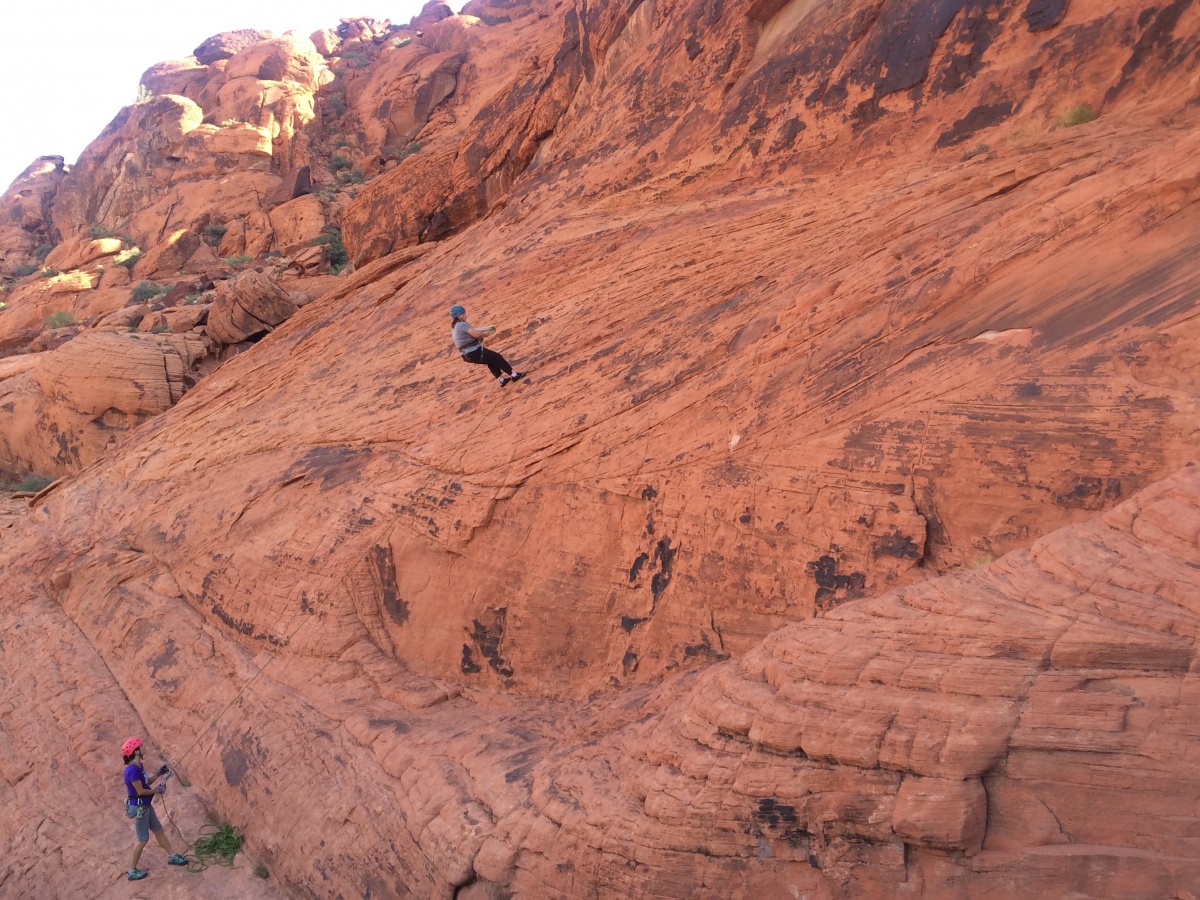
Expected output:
(843, 539)
(88, 393)
(25, 223)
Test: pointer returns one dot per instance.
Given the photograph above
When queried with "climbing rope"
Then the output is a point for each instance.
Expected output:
(217, 845)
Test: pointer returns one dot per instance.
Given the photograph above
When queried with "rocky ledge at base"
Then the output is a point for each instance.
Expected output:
(1024, 728)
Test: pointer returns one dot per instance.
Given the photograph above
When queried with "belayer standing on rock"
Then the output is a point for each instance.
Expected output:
(469, 342)
(138, 808)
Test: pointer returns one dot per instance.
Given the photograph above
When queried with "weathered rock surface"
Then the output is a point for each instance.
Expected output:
(248, 306)
(25, 223)
(843, 540)
(68, 406)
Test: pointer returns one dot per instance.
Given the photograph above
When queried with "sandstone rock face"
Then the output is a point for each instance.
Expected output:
(25, 222)
(842, 541)
(297, 221)
(71, 404)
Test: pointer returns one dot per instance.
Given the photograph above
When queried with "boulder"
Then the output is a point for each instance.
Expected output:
(184, 77)
(297, 220)
(185, 318)
(81, 250)
(296, 183)
(228, 44)
(290, 58)
(169, 256)
(247, 306)
(431, 13)
(84, 396)
(326, 41)
(25, 220)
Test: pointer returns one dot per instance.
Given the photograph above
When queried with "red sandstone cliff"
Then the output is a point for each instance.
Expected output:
(819, 302)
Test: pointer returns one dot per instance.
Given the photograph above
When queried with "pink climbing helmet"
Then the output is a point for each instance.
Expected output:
(130, 745)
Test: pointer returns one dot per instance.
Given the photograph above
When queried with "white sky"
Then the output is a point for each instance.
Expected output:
(68, 66)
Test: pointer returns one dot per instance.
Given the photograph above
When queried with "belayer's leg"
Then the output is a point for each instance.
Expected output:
(137, 854)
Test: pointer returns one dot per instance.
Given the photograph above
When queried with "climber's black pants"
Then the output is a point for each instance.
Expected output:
(490, 358)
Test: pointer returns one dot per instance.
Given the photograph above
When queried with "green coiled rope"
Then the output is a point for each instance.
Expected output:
(217, 845)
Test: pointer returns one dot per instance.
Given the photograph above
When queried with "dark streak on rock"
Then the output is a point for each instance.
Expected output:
(166, 658)
(629, 662)
(832, 587)
(634, 569)
(664, 555)
(385, 578)
(628, 623)
(233, 761)
(1042, 14)
(976, 120)
(334, 466)
(1159, 36)
(1090, 493)
(394, 724)
(469, 666)
(896, 544)
(487, 639)
(245, 628)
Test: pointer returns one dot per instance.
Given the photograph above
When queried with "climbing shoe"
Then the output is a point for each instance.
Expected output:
(517, 376)
(504, 380)
(135, 874)
(176, 859)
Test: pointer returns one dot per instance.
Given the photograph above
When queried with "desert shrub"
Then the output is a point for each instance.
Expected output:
(160, 328)
(22, 271)
(99, 231)
(50, 273)
(1077, 115)
(337, 163)
(338, 257)
(213, 233)
(127, 257)
(193, 299)
(60, 319)
(354, 176)
(43, 251)
(237, 260)
(148, 290)
(399, 153)
(30, 483)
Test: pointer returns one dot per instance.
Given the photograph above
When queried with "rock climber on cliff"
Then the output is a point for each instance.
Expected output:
(469, 342)
(138, 808)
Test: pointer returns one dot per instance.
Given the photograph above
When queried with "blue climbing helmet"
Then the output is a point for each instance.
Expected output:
(456, 311)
